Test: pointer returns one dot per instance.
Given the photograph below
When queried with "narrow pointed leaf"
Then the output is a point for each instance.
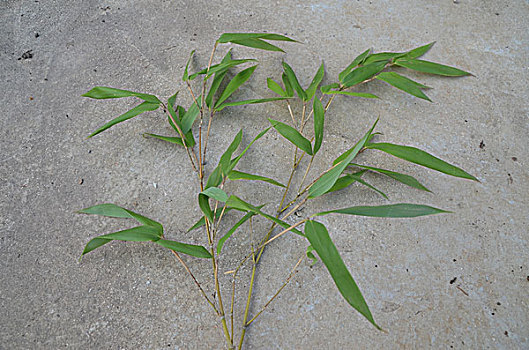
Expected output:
(319, 119)
(229, 37)
(103, 92)
(139, 109)
(197, 251)
(403, 178)
(288, 87)
(346, 181)
(237, 203)
(311, 90)
(113, 211)
(234, 84)
(219, 68)
(171, 101)
(249, 102)
(190, 116)
(418, 52)
(225, 159)
(275, 87)
(238, 158)
(383, 57)
(401, 210)
(257, 44)
(190, 141)
(351, 93)
(185, 77)
(135, 234)
(94, 244)
(215, 178)
(327, 180)
(203, 203)
(420, 157)
(219, 77)
(293, 80)
(431, 67)
(319, 238)
(404, 84)
(326, 88)
(239, 175)
(232, 231)
(357, 61)
(363, 73)
(202, 221)
(215, 193)
(292, 135)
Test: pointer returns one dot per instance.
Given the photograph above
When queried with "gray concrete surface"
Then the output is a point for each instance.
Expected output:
(134, 296)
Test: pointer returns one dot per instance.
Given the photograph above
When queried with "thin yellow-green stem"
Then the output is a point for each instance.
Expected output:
(292, 273)
(291, 115)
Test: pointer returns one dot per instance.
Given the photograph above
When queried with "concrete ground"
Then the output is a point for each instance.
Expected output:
(450, 281)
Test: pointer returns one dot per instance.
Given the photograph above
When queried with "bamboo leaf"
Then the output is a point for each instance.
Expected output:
(257, 44)
(311, 90)
(238, 158)
(229, 37)
(363, 73)
(346, 181)
(219, 77)
(203, 203)
(239, 175)
(220, 68)
(275, 87)
(225, 159)
(418, 52)
(135, 234)
(190, 141)
(103, 92)
(215, 193)
(350, 93)
(311, 255)
(171, 101)
(326, 88)
(383, 57)
(202, 221)
(237, 203)
(294, 81)
(292, 135)
(113, 211)
(401, 210)
(197, 251)
(185, 77)
(319, 119)
(248, 102)
(288, 86)
(319, 238)
(328, 179)
(234, 84)
(190, 116)
(357, 61)
(232, 231)
(417, 156)
(403, 178)
(431, 67)
(139, 109)
(404, 84)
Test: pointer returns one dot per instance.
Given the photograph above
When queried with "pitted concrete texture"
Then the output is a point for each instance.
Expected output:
(449, 281)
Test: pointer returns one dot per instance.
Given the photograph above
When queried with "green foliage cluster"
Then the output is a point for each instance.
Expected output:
(216, 92)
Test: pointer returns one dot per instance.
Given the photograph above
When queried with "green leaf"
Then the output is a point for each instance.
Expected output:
(319, 119)
(219, 68)
(239, 175)
(431, 67)
(288, 87)
(103, 92)
(229, 37)
(404, 84)
(357, 61)
(232, 231)
(190, 141)
(319, 238)
(401, 210)
(202, 221)
(139, 109)
(225, 159)
(403, 178)
(383, 57)
(311, 256)
(219, 77)
(197, 251)
(113, 211)
(135, 234)
(215, 178)
(237, 203)
(215, 193)
(346, 181)
(418, 52)
(249, 102)
(417, 156)
(234, 84)
(350, 93)
(190, 116)
(257, 44)
(275, 87)
(293, 80)
(172, 100)
(292, 135)
(363, 73)
(238, 158)
(326, 88)
(186, 73)
(311, 90)
(327, 180)
(203, 203)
